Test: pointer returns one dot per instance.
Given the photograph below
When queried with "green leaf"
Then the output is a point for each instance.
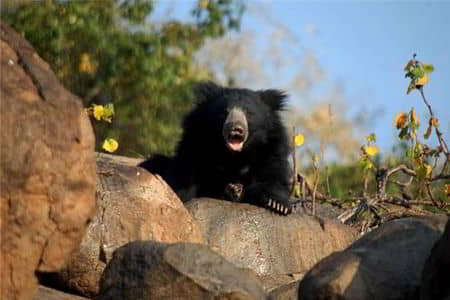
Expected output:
(372, 137)
(428, 68)
(365, 163)
(297, 191)
(108, 112)
(409, 153)
(418, 72)
(404, 133)
(412, 86)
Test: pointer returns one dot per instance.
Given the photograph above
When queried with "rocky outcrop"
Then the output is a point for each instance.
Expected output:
(132, 205)
(436, 273)
(278, 248)
(47, 168)
(286, 292)
(384, 264)
(152, 270)
(45, 293)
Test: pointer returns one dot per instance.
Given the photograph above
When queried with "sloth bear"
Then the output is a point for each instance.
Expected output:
(233, 138)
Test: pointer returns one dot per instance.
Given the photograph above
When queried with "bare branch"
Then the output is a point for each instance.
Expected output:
(438, 132)
(431, 196)
(402, 168)
(440, 177)
(402, 184)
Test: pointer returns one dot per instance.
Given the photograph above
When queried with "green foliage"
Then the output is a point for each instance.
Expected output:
(346, 180)
(372, 138)
(108, 51)
(418, 73)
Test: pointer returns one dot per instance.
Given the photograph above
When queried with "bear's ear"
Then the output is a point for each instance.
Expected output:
(207, 90)
(276, 99)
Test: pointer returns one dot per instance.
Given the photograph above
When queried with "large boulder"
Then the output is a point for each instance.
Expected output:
(280, 249)
(384, 264)
(45, 293)
(436, 273)
(47, 168)
(151, 270)
(133, 205)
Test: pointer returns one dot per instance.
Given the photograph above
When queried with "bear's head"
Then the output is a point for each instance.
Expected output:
(241, 117)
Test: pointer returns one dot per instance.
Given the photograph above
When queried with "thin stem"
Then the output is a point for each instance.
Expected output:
(431, 195)
(294, 163)
(438, 132)
(402, 168)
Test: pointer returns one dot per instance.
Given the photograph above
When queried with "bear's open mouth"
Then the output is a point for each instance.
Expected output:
(235, 140)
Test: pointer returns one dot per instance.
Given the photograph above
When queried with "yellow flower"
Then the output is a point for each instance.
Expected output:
(415, 117)
(203, 4)
(86, 65)
(434, 122)
(299, 139)
(447, 190)
(424, 171)
(400, 120)
(99, 111)
(422, 81)
(370, 150)
(110, 145)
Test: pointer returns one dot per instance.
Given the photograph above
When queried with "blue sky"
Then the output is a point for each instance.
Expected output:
(364, 45)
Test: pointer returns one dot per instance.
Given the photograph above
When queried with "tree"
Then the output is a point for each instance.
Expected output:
(109, 51)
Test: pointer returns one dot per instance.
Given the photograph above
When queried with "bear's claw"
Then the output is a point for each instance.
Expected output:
(278, 207)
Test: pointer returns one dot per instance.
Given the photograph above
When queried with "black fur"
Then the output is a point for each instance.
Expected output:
(203, 166)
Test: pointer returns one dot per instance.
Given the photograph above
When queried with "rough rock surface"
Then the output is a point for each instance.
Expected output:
(286, 292)
(132, 205)
(271, 245)
(45, 293)
(152, 270)
(384, 264)
(436, 273)
(47, 168)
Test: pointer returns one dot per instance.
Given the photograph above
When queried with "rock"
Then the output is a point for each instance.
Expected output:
(386, 263)
(271, 245)
(286, 292)
(152, 270)
(45, 293)
(47, 168)
(436, 273)
(132, 205)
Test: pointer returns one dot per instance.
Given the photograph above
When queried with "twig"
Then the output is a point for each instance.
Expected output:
(302, 179)
(294, 163)
(316, 183)
(402, 184)
(431, 196)
(366, 182)
(328, 182)
(438, 132)
(402, 168)
(440, 177)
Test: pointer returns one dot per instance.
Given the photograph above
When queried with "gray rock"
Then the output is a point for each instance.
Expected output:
(152, 270)
(436, 273)
(132, 205)
(384, 264)
(270, 244)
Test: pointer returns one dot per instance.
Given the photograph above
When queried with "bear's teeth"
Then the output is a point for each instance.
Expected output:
(274, 204)
(278, 206)
(270, 202)
(285, 210)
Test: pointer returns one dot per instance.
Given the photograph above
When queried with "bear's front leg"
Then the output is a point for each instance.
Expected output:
(269, 185)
